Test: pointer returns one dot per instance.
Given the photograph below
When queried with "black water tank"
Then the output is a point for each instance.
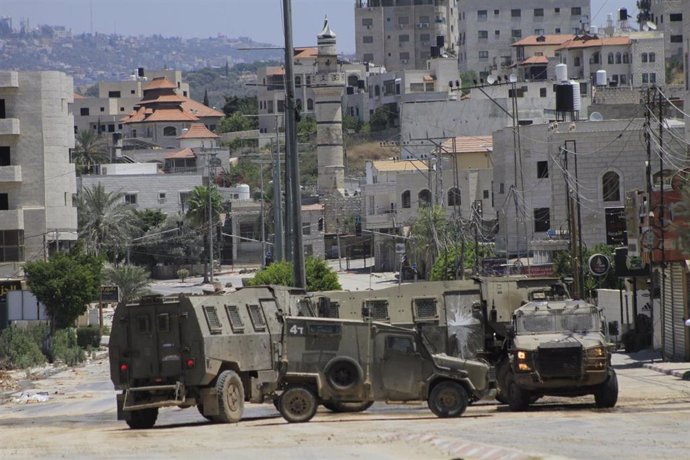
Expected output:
(360, 84)
(623, 14)
(440, 41)
(140, 72)
(564, 98)
(435, 52)
(350, 90)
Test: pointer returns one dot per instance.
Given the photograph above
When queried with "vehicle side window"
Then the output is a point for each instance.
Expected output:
(375, 309)
(214, 324)
(163, 320)
(235, 318)
(403, 345)
(143, 323)
(257, 318)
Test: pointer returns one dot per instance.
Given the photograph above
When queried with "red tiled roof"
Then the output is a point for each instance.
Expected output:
(469, 144)
(198, 131)
(162, 99)
(171, 115)
(586, 42)
(536, 40)
(428, 78)
(535, 60)
(306, 53)
(200, 110)
(184, 153)
(160, 83)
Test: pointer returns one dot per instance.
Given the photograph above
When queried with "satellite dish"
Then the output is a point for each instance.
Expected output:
(596, 116)
(491, 79)
(512, 78)
(650, 25)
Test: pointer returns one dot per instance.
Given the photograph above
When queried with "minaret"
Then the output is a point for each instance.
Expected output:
(328, 86)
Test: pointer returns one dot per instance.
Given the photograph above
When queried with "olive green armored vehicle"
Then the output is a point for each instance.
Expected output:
(328, 361)
(214, 352)
(557, 348)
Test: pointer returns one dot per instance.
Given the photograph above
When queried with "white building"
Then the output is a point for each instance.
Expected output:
(668, 16)
(37, 181)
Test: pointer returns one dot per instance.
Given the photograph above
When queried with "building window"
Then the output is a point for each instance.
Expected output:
(575, 11)
(556, 11)
(618, 58)
(424, 198)
(497, 34)
(5, 156)
(516, 34)
(542, 169)
(539, 32)
(623, 79)
(542, 92)
(403, 38)
(676, 17)
(170, 131)
(406, 202)
(131, 198)
(161, 197)
(542, 219)
(652, 57)
(645, 78)
(501, 188)
(483, 34)
(652, 77)
(481, 15)
(4, 202)
(298, 80)
(643, 57)
(483, 55)
(610, 58)
(114, 94)
(485, 194)
(454, 197)
(557, 30)
(538, 12)
(367, 22)
(310, 105)
(11, 245)
(610, 184)
(676, 39)
(306, 228)
(515, 13)
(403, 20)
(368, 57)
(368, 39)
(84, 111)
(576, 61)
(626, 58)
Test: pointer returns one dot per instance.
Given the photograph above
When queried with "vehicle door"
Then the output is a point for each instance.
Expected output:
(400, 367)
(168, 337)
(465, 334)
(154, 337)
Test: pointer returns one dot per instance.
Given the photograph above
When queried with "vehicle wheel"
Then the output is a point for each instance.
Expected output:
(142, 419)
(518, 399)
(210, 418)
(448, 399)
(298, 404)
(343, 373)
(341, 407)
(606, 395)
(230, 394)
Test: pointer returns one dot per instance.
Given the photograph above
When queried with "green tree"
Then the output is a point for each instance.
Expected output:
(243, 105)
(105, 221)
(645, 11)
(131, 281)
(90, 149)
(429, 235)
(564, 268)
(446, 265)
(306, 129)
(351, 123)
(380, 119)
(198, 212)
(320, 277)
(65, 284)
(233, 123)
(149, 218)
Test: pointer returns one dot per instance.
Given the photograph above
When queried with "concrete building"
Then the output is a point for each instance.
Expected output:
(37, 180)
(404, 34)
(610, 158)
(668, 16)
(489, 28)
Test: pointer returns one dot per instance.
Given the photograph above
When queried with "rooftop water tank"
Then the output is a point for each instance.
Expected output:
(577, 101)
(601, 77)
(243, 191)
(561, 72)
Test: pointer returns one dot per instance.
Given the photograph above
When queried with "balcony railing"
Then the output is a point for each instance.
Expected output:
(10, 174)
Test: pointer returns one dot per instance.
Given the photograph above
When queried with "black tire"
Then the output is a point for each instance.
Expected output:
(448, 399)
(606, 395)
(230, 394)
(343, 373)
(143, 419)
(276, 403)
(518, 399)
(342, 407)
(298, 404)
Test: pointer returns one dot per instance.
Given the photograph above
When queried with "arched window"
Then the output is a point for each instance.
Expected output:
(310, 105)
(595, 58)
(424, 198)
(352, 80)
(626, 58)
(454, 197)
(406, 202)
(298, 81)
(170, 131)
(377, 90)
(610, 58)
(610, 185)
(618, 58)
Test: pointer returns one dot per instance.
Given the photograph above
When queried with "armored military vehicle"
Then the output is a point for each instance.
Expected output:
(214, 352)
(557, 348)
(340, 361)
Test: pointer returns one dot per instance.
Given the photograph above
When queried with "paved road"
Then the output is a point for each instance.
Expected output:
(651, 420)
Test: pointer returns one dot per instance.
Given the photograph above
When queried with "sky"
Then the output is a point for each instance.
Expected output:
(260, 20)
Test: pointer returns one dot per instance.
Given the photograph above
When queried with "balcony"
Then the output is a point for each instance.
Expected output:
(9, 127)
(9, 79)
(12, 219)
(10, 174)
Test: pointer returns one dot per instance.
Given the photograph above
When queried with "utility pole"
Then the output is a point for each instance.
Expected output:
(212, 162)
(278, 254)
(571, 226)
(662, 211)
(292, 158)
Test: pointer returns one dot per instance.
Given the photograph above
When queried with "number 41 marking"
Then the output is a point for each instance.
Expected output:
(296, 330)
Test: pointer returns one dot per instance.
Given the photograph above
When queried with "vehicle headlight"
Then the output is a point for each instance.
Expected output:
(521, 355)
(597, 352)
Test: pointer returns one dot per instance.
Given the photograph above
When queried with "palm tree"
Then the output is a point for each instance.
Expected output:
(90, 149)
(105, 221)
(130, 279)
(198, 213)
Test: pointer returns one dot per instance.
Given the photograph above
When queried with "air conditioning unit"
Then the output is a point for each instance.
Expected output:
(419, 25)
(403, 61)
(402, 26)
(425, 25)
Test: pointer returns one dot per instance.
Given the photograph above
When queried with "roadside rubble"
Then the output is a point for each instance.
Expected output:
(29, 397)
